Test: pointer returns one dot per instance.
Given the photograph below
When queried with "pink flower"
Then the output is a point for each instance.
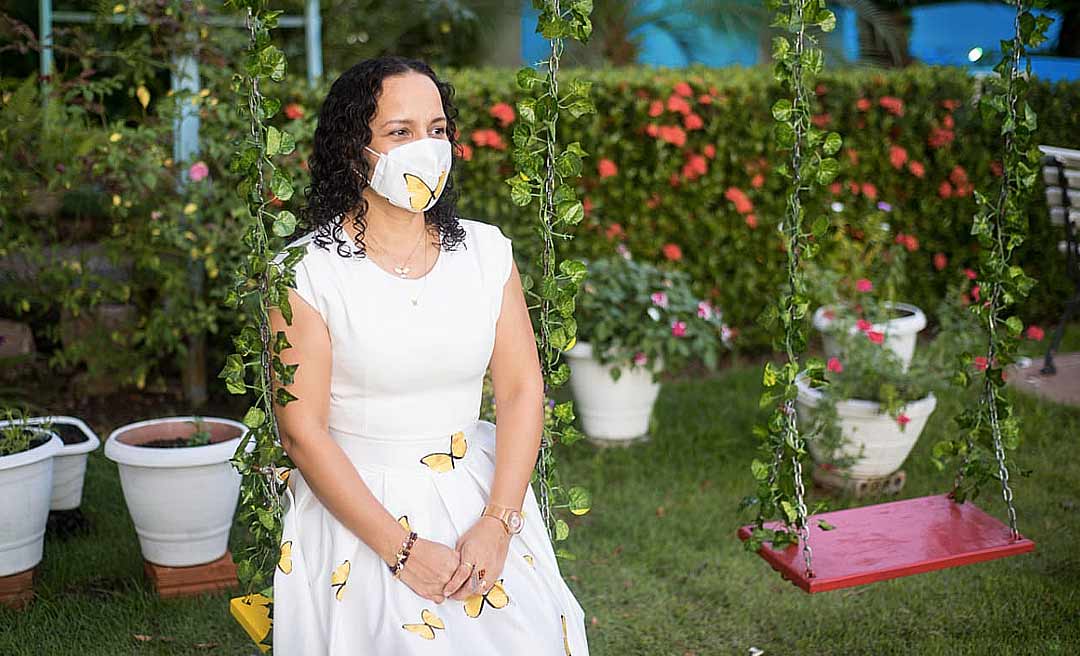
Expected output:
(862, 104)
(693, 122)
(704, 310)
(875, 337)
(653, 130)
(758, 181)
(917, 169)
(863, 325)
(980, 362)
(607, 168)
(615, 230)
(656, 108)
(894, 106)
(864, 285)
(869, 190)
(294, 111)
(678, 104)
(975, 292)
(678, 328)
(709, 150)
(741, 200)
(897, 157)
(659, 298)
(640, 358)
(684, 89)
(945, 190)
(970, 274)
(1035, 333)
(751, 221)
(835, 366)
(903, 420)
(488, 137)
(672, 134)
(940, 261)
(466, 151)
(198, 171)
(821, 120)
(503, 112)
(672, 252)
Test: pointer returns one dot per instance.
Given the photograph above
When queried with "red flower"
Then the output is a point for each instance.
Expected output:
(820, 89)
(945, 190)
(709, 150)
(821, 120)
(897, 157)
(741, 200)
(853, 187)
(875, 336)
(835, 188)
(863, 325)
(615, 230)
(980, 362)
(950, 104)
(653, 202)
(903, 420)
(674, 180)
(869, 190)
(975, 292)
(466, 151)
(678, 104)
(970, 273)
(917, 169)
(893, 105)
(684, 89)
(964, 189)
(910, 242)
(958, 175)
(294, 111)
(673, 134)
(678, 328)
(758, 181)
(995, 168)
(852, 155)
(863, 285)
(607, 168)
(751, 221)
(705, 99)
(862, 104)
(656, 108)
(693, 122)
(940, 261)
(948, 122)
(835, 366)
(503, 112)
(672, 252)
(939, 138)
(1035, 333)
(652, 130)
(695, 167)
(488, 137)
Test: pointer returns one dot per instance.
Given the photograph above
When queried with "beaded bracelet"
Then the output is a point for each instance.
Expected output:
(403, 554)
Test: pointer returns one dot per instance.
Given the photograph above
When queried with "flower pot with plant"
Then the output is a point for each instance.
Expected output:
(26, 473)
(69, 463)
(179, 485)
(856, 281)
(635, 321)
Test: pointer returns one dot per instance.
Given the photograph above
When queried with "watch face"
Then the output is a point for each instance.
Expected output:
(515, 521)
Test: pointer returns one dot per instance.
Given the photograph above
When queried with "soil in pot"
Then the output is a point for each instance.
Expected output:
(173, 443)
(69, 433)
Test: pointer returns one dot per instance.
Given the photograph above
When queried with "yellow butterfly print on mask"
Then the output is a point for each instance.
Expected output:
(338, 578)
(419, 193)
(426, 630)
(284, 562)
(495, 597)
(444, 462)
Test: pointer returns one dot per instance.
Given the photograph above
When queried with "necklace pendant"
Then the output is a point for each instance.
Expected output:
(402, 270)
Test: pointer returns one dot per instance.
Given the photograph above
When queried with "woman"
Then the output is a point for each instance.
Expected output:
(407, 531)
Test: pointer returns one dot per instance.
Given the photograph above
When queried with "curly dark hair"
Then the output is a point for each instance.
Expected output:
(342, 133)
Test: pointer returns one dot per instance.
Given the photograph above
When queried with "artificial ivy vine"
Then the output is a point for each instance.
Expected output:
(780, 493)
(544, 173)
(258, 285)
(1000, 225)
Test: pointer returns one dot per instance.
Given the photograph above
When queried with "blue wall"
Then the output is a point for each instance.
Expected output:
(935, 39)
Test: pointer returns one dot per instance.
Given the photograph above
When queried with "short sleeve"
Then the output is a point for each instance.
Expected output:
(502, 265)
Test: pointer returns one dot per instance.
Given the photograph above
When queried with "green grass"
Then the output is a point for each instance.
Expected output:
(658, 565)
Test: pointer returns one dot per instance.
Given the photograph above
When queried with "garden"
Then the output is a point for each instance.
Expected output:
(796, 324)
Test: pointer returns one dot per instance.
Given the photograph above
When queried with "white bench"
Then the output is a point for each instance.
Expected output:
(1061, 173)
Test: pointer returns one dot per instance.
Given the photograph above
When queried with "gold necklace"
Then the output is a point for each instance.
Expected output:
(403, 270)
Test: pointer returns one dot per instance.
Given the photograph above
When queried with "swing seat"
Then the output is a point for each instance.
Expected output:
(890, 540)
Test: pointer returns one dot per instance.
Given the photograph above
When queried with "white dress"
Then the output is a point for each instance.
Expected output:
(405, 379)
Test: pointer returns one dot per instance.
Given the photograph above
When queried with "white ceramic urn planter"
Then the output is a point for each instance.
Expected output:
(26, 487)
(870, 435)
(900, 333)
(612, 412)
(69, 464)
(181, 499)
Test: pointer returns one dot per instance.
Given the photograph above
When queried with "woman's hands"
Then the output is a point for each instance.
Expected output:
(482, 547)
(429, 567)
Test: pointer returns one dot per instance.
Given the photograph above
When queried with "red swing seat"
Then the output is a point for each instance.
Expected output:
(890, 540)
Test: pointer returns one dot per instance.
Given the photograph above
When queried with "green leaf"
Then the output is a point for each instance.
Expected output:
(281, 185)
(284, 223)
(759, 469)
(832, 143)
(825, 526)
(273, 141)
(254, 417)
(562, 530)
(827, 170)
(781, 109)
(580, 500)
(827, 21)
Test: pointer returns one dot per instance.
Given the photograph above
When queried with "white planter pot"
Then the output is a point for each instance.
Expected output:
(25, 487)
(182, 500)
(69, 464)
(900, 333)
(867, 432)
(612, 412)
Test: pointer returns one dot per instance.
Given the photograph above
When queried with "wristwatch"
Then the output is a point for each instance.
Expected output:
(511, 519)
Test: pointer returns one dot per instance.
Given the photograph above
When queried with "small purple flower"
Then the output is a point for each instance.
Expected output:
(883, 206)
(551, 403)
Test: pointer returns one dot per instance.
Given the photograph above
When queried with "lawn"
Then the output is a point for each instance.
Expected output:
(658, 568)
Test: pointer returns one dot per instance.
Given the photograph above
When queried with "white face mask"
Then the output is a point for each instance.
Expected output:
(413, 175)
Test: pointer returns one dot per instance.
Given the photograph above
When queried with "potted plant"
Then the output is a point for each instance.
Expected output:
(69, 463)
(26, 472)
(635, 320)
(856, 281)
(179, 485)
